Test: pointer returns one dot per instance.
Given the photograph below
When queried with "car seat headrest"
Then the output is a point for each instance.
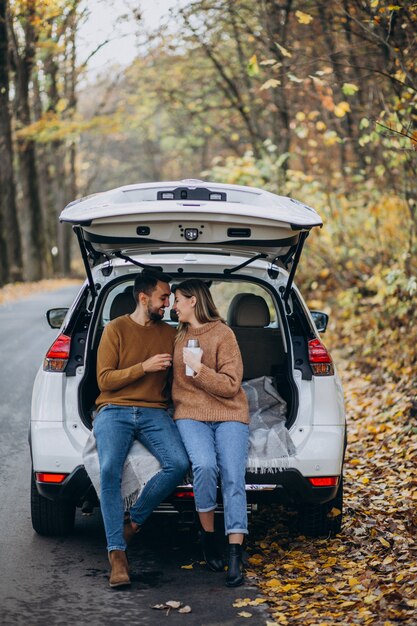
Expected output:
(123, 303)
(247, 309)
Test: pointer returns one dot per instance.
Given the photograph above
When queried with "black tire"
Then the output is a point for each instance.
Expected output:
(318, 520)
(50, 518)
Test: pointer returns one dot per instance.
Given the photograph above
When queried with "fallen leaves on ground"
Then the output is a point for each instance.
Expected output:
(172, 604)
(16, 291)
(367, 574)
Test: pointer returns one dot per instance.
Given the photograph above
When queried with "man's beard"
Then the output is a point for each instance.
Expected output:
(154, 315)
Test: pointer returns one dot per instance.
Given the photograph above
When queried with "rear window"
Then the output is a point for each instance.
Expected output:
(222, 292)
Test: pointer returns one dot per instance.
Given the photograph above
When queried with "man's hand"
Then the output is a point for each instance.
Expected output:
(192, 359)
(157, 363)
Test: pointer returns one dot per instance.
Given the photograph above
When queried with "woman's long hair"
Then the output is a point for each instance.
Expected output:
(205, 309)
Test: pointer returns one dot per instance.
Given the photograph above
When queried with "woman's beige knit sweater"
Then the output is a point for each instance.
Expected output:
(215, 393)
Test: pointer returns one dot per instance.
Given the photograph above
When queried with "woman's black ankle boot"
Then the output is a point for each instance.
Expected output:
(210, 551)
(235, 570)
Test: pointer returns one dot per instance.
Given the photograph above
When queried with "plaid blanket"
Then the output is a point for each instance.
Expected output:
(270, 444)
(139, 467)
(269, 450)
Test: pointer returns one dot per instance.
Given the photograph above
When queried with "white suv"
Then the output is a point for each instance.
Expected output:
(246, 243)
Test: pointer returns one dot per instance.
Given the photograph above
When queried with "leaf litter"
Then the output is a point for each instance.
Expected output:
(367, 574)
(172, 605)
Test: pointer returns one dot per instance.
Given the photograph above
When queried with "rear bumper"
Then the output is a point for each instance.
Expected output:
(286, 486)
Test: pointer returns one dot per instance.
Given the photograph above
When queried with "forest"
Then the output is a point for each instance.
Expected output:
(311, 99)
(316, 100)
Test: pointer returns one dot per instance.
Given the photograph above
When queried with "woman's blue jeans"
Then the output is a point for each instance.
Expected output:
(218, 449)
(115, 428)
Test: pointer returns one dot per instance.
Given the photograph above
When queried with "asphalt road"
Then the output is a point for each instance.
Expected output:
(50, 581)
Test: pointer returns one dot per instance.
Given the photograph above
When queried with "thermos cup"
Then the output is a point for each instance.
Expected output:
(194, 346)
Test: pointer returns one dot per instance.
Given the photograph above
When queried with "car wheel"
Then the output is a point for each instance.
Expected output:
(317, 520)
(50, 518)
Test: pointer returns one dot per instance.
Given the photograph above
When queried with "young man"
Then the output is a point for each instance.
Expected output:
(133, 359)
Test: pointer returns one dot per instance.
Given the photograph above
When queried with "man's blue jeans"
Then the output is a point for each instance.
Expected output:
(115, 428)
(219, 448)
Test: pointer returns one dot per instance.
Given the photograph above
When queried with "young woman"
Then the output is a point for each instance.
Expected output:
(211, 412)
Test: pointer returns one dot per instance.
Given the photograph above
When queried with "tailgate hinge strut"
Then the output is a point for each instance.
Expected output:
(81, 242)
(303, 237)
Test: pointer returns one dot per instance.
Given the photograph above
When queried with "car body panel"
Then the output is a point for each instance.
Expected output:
(52, 449)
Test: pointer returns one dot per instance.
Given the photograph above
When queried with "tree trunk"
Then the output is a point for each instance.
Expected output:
(32, 222)
(11, 260)
(64, 230)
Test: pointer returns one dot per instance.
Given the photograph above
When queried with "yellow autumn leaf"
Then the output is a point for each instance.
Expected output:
(61, 105)
(273, 583)
(257, 601)
(242, 602)
(283, 50)
(271, 83)
(384, 542)
(253, 67)
(370, 599)
(256, 559)
(353, 581)
(245, 614)
(341, 109)
(296, 597)
(303, 18)
(268, 62)
(186, 567)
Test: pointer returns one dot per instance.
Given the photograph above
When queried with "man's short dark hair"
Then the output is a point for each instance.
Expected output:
(146, 282)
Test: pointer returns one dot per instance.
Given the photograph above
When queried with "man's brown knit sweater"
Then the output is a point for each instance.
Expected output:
(215, 393)
(120, 376)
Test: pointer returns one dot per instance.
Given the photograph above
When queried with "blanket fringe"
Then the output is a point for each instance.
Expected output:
(130, 500)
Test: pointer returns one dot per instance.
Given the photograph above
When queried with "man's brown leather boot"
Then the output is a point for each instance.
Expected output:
(129, 531)
(119, 576)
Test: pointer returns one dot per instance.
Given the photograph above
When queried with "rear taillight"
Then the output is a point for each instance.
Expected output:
(48, 477)
(324, 481)
(320, 360)
(184, 494)
(57, 356)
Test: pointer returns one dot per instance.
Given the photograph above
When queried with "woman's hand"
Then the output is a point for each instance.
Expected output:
(192, 359)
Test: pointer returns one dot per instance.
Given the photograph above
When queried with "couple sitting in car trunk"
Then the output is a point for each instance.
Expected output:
(210, 426)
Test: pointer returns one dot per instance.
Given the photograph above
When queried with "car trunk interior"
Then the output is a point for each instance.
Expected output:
(247, 308)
